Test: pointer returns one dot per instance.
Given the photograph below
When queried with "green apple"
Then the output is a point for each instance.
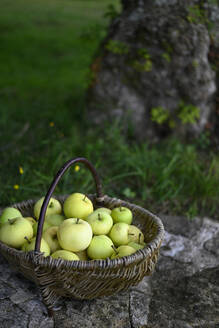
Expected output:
(46, 225)
(54, 219)
(103, 209)
(13, 232)
(77, 206)
(121, 251)
(50, 236)
(100, 247)
(30, 219)
(119, 233)
(101, 222)
(29, 245)
(74, 234)
(136, 245)
(135, 234)
(82, 255)
(54, 207)
(121, 214)
(9, 213)
(65, 255)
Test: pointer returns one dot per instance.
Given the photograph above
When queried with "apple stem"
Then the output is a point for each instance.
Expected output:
(28, 240)
(84, 199)
(114, 248)
(77, 221)
(131, 234)
(11, 221)
(51, 204)
(99, 218)
(139, 238)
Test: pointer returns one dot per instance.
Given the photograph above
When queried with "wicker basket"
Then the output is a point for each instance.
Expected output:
(86, 279)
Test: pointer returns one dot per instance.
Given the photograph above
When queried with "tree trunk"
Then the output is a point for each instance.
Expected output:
(153, 70)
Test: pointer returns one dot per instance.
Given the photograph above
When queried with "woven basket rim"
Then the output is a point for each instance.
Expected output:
(138, 256)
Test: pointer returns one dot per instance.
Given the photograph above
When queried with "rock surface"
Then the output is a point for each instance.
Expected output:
(183, 292)
(154, 64)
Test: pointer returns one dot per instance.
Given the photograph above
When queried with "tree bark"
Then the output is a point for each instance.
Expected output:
(153, 69)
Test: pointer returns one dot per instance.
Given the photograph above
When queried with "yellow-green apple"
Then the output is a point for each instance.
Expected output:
(54, 219)
(50, 236)
(82, 255)
(136, 245)
(54, 207)
(30, 219)
(121, 214)
(77, 205)
(119, 233)
(9, 213)
(74, 234)
(103, 209)
(101, 222)
(13, 232)
(65, 255)
(46, 225)
(29, 245)
(135, 234)
(100, 247)
(123, 250)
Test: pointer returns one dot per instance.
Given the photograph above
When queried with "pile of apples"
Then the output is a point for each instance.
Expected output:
(74, 232)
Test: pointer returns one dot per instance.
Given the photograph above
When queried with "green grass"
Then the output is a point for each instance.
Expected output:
(44, 59)
(171, 177)
(46, 50)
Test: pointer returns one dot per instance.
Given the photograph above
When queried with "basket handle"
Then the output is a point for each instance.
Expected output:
(52, 188)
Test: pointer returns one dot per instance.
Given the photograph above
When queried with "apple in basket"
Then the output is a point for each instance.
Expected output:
(100, 247)
(82, 255)
(136, 246)
(101, 222)
(77, 205)
(29, 245)
(135, 234)
(122, 214)
(103, 209)
(54, 219)
(121, 251)
(9, 213)
(54, 207)
(13, 232)
(50, 236)
(74, 234)
(119, 233)
(30, 219)
(65, 255)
